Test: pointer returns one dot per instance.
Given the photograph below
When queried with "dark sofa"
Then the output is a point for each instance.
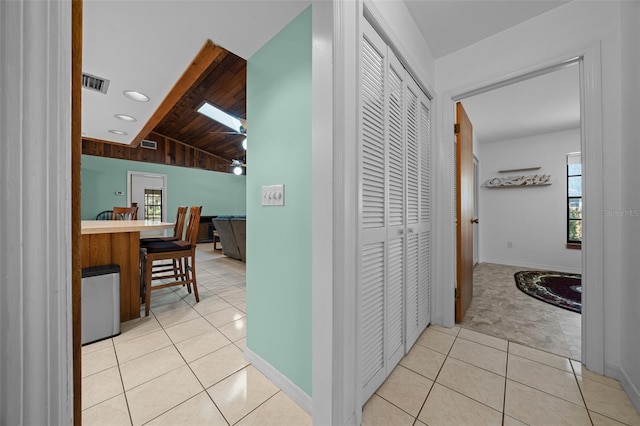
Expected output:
(232, 231)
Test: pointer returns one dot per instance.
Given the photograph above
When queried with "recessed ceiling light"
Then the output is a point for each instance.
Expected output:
(118, 132)
(136, 96)
(125, 117)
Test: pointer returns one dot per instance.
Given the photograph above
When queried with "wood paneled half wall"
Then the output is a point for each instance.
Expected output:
(169, 152)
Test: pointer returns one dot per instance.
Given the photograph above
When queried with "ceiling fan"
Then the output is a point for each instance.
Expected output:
(242, 130)
(236, 166)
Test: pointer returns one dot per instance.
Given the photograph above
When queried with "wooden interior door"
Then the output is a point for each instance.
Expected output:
(464, 212)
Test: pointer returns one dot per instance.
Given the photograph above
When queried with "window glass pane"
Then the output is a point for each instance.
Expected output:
(575, 230)
(574, 186)
(574, 169)
(575, 208)
(153, 204)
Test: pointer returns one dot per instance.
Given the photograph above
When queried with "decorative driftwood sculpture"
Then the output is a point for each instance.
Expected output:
(518, 181)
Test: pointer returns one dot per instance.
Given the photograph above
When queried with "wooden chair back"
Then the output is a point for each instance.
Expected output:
(125, 213)
(181, 216)
(192, 228)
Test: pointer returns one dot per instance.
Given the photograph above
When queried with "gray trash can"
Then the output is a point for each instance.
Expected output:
(100, 303)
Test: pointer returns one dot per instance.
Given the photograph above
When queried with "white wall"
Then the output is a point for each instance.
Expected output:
(630, 223)
(401, 32)
(533, 219)
(544, 39)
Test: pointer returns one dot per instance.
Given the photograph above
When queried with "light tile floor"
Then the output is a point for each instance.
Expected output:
(183, 365)
(458, 376)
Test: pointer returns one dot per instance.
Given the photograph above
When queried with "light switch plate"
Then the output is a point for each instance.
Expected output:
(273, 195)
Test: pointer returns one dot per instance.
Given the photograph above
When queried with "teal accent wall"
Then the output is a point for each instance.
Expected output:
(279, 238)
(217, 193)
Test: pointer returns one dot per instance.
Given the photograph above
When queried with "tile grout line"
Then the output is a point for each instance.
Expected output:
(504, 397)
(437, 374)
(226, 377)
(259, 405)
(185, 363)
(204, 389)
(124, 391)
(575, 376)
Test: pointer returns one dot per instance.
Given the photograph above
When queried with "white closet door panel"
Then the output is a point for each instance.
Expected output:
(372, 156)
(373, 221)
(424, 283)
(425, 161)
(413, 159)
(424, 227)
(394, 312)
(412, 305)
(394, 309)
(372, 310)
(395, 142)
(418, 212)
(412, 203)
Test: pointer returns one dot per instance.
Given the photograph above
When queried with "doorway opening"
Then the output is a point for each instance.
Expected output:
(521, 129)
(149, 192)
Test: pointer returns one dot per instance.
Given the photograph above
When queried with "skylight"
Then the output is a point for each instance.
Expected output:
(220, 116)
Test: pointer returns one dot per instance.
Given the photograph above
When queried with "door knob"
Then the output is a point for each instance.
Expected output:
(475, 220)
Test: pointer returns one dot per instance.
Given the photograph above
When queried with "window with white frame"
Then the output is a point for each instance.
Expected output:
(574, 198)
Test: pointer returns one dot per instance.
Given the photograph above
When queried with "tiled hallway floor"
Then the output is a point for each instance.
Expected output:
(460, 377)
(500, 309)
(183, 365)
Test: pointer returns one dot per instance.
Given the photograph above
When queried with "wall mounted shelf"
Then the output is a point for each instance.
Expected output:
(520, 170)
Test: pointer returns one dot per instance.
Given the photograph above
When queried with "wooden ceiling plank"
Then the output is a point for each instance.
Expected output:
(203, 60)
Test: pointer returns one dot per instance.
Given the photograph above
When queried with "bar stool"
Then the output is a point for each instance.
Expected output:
(178, 228)
(183, 251)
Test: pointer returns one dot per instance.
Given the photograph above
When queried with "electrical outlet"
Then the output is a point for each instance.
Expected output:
(509, 244)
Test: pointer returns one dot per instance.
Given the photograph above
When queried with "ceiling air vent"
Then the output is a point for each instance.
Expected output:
(149, 144)
(96, 83)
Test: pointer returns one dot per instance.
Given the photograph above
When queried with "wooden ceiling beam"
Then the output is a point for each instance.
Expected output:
(208, 54)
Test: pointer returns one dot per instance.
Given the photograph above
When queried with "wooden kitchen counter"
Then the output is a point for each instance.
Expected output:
(106, 242)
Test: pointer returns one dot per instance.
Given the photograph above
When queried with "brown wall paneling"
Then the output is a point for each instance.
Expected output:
(169, 152)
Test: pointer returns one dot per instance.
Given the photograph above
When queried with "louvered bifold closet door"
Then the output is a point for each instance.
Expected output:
(396, 160)
(373, 214)
(418, 214)
(394, 187)
(424, 225)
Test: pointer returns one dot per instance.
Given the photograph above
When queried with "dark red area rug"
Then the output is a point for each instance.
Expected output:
(556, 288)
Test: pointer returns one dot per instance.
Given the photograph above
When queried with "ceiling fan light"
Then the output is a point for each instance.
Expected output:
(237, 170)
(244, 144)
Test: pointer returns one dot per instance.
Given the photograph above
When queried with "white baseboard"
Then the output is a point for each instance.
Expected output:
(287, 386)
(535, 266)
(629, 388)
